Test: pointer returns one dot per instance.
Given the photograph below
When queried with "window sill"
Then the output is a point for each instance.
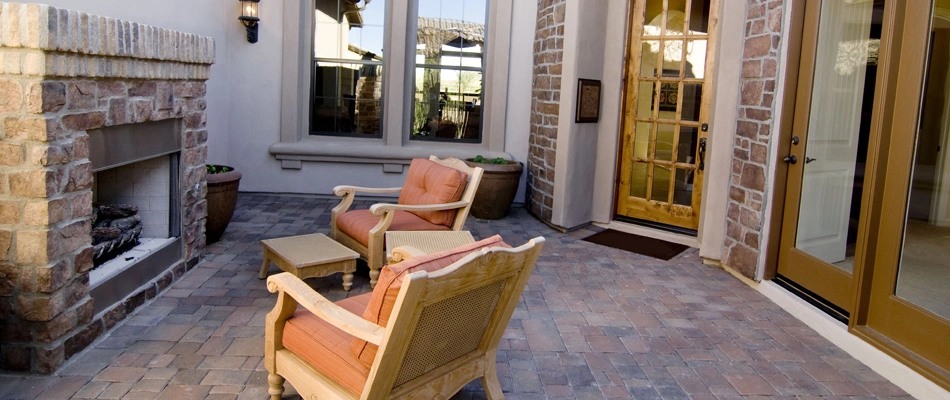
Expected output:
(292, 155)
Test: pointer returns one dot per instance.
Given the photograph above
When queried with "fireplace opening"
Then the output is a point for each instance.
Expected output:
(133, 210)
(136, 227)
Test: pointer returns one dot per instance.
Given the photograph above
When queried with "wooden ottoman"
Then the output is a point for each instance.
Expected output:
(310, 256)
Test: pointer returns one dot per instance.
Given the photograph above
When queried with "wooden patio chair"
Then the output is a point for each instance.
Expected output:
(442, 333)
(437, 196)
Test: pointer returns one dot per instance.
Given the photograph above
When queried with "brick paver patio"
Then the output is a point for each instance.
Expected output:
(594, 323)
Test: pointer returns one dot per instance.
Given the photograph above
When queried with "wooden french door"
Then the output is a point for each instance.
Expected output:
(828, 154)
(866, 224)
(908, 311)
(666, 110)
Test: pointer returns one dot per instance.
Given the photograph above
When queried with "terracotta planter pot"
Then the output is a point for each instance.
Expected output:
(497, 189)
(222, 199)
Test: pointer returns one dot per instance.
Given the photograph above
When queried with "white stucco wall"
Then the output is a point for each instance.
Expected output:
(217, 19)
(610, 111)
(584, 39)
(521, 57)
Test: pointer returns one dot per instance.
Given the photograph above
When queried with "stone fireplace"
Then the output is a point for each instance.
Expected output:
(66, 80)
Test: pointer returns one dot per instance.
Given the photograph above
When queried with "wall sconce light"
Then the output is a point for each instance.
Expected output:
(250, 16)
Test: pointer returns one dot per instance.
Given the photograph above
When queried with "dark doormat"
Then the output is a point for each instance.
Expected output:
(638, 244)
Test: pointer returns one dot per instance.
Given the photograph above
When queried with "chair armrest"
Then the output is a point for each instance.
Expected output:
(382, 208)
(348, 193)
(342, 190)
(325, 309)
(403, 253)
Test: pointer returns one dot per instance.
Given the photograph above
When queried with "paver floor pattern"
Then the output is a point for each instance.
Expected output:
(594, 322)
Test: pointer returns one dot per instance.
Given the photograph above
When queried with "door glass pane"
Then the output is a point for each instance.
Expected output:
(696, 58)
(683, 188)
(664, 142)
(648, 59)
(923, 276)
(838, 129)
(686, 149)
(698, 17)
(646, 98)
(669, 95)
(638, 180)
(641, 142)
(672, 57)
(653, 18)
(661, 183)
(676, 18)
(692, 100)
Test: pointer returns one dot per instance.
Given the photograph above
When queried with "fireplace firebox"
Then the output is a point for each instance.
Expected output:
(135, 194)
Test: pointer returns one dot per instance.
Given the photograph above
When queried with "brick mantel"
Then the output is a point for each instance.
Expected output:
(63, 73)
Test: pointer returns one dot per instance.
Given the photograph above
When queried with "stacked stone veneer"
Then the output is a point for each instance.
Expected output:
(63, 73)
(754, 132)
(545, 106)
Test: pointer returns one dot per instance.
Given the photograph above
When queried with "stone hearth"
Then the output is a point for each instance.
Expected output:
(63, 73)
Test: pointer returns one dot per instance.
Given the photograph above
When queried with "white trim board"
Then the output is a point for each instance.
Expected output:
(837, 333)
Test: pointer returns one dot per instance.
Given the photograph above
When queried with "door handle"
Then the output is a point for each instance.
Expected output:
(808, 160)
(792, 159)
(702, 154)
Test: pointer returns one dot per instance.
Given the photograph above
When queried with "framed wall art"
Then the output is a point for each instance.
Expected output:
(588, 100)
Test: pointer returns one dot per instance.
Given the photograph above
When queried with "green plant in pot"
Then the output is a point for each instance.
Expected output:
(498, 187)
(223, 182)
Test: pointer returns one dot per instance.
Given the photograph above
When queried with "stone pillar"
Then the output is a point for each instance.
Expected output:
(754, 129)
(64, 73)
(545, 106)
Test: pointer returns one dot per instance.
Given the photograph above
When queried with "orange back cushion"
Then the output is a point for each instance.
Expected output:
(390, 281)
(429, 182)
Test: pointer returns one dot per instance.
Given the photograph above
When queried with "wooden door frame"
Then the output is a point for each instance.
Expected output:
(796, 28)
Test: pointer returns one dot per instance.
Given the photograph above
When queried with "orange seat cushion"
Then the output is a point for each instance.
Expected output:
(357, 223)
(429, 182)
(326, 347)
(384, 295)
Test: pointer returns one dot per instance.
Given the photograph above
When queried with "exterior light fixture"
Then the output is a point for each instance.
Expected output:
(250, 16)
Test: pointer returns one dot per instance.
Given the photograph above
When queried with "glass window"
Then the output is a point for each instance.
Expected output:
(346, 92)
(447, 84)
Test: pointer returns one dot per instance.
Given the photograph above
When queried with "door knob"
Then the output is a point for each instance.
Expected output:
(792, 159)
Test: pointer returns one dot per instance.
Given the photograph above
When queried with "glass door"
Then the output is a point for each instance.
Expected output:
(910, 292)
(829, 149)
(666, 110)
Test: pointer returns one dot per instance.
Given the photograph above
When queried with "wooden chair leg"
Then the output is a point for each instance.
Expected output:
(491, 385)
(276, 389)
(375, 263)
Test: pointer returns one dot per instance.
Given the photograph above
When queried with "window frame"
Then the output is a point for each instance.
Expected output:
(296, 145)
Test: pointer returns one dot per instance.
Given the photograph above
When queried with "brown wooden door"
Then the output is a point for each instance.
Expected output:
(828, 156)
(666, 110)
